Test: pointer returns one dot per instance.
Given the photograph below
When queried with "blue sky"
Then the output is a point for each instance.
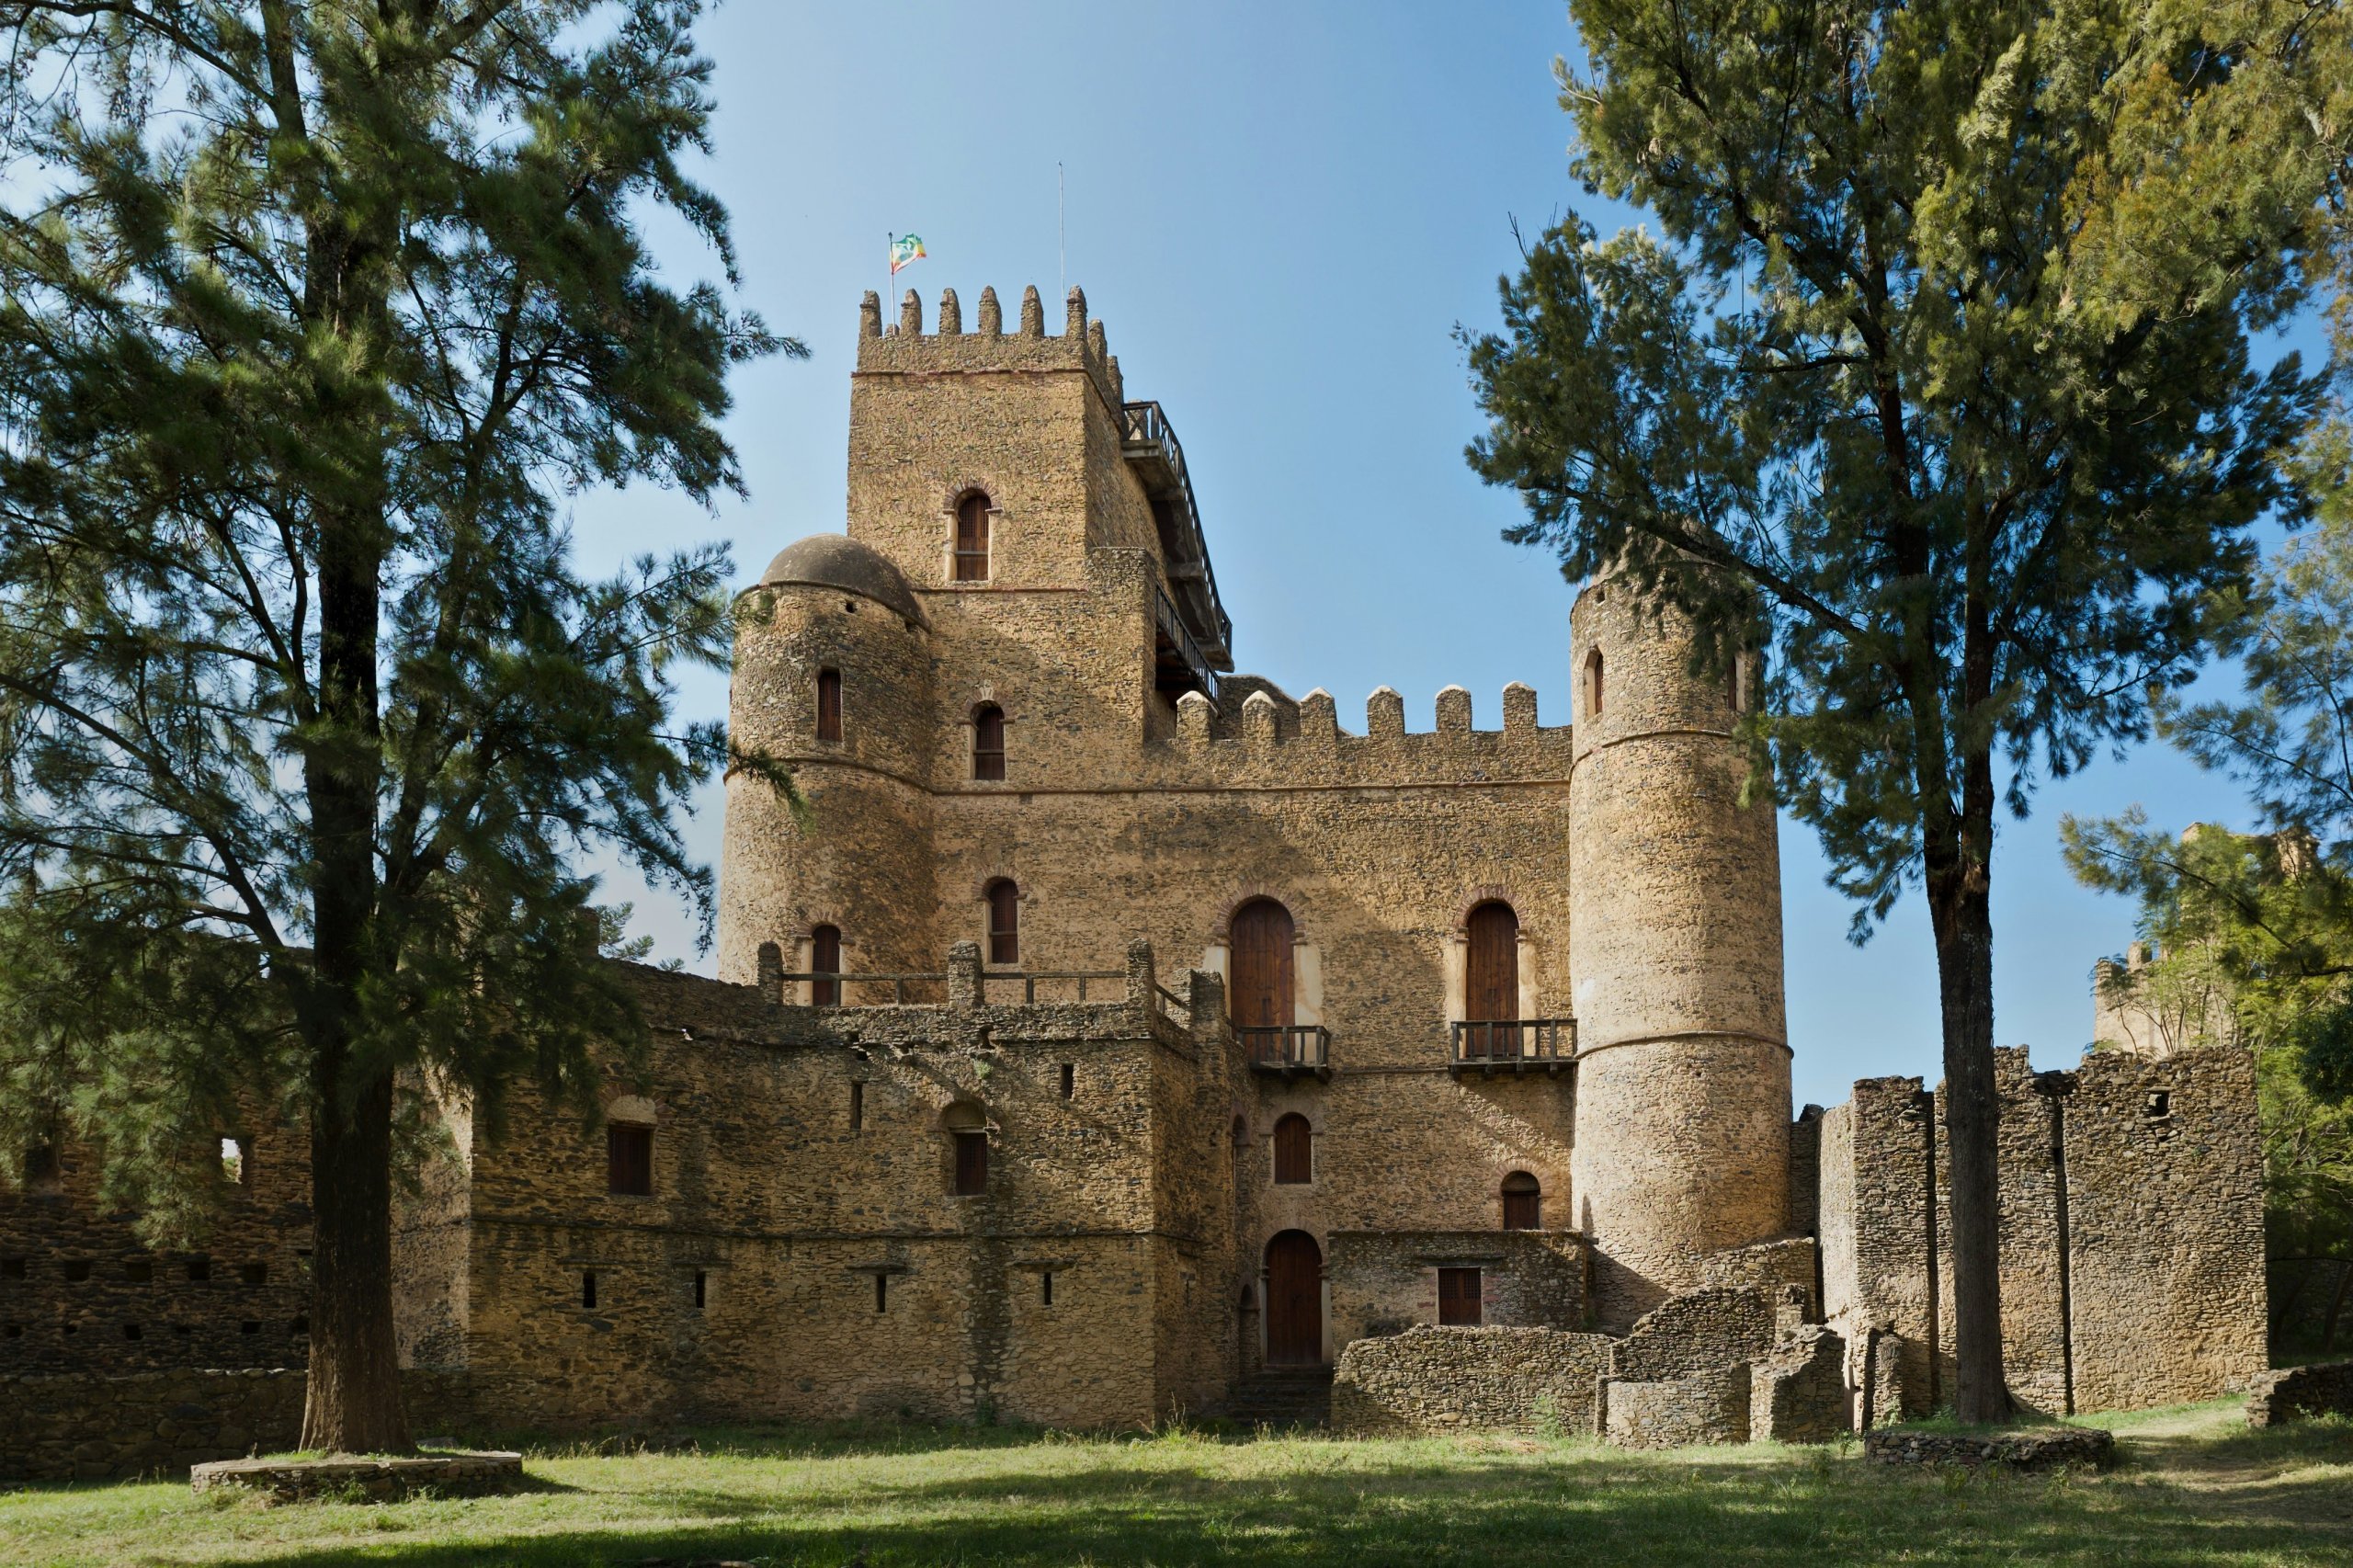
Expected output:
(1281, 211)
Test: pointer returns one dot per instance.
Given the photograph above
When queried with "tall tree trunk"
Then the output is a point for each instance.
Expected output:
(353, 1399)
(1961, 916)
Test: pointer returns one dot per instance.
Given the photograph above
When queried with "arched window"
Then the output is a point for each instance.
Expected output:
(1294, 1151)
(825, 958)
(988, 741)
(1004, 921)
(1239, 1135)
(1523, 1203)
(1491, 980)
(973, 538)
(968, 1132)
(829, 705)
(1593, 683)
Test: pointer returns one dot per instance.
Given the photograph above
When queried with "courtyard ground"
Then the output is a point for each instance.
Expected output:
(2192, 1487)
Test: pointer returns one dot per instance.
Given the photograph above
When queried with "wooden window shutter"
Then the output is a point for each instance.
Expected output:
(1458, 1297)
(1294, 1151)
(829, 705)
(628, 1159)
(825, 958)
(971, 1164)
(988, 742)
(1523, 1203)
(973, 538)
(1005, 921)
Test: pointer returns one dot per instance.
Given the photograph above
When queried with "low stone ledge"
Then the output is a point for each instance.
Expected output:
(2030, 1448)
(2294, 1392)
(295, 1481)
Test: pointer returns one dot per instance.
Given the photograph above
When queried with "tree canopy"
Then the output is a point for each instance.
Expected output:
(1936, 379)
(310, 317)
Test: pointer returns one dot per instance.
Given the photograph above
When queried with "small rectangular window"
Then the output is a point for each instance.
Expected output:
(881, 1292)
(252, 1274)
(588, 1287)
(971, 1164)
(42, 1167)
(12, 1269)
(628, 1159)
(199, 1269)
(77, 1268)
(702, 1289)
(829, 705)
(233, 1161)
(1047, 1278)
(1458, 1297)
(1070, 1079)
(857, 1106)
(2160, 1104)
(138, 1270)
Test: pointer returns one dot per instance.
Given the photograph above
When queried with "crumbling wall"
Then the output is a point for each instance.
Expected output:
(1386, 1281)
(1444, 1379)
(1797, 1392)
(1698, 1331)
(1708, 1406)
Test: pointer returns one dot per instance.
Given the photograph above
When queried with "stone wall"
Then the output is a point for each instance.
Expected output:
(89, 1427)
(2131, 1231)
(1444, 1379)
(2293, 1392)
(1775, 1268)
(80, 1290)
(1797, 1391)
(1709, 1407)
(1386, 1281)
(1696, 1332)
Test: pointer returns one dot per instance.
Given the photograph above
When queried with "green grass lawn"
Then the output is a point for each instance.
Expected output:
(2192, 1487)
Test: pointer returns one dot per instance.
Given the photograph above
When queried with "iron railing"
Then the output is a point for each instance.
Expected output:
(1171, 628)
(1515, 1043)
(1284, 1048)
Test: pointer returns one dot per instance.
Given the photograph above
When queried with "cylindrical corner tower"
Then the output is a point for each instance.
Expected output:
(832, 678)
(1675, 959)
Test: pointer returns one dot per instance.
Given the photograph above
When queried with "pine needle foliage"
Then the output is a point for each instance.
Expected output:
(311, 316)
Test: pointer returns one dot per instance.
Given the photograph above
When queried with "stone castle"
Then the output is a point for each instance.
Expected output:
(1117, 1035)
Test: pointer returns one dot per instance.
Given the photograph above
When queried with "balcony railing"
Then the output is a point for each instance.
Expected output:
(1519, 1045)
(1180, 664)
(1030, 978)
(1285, 1047)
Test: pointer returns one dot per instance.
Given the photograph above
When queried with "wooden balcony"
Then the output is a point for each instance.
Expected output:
(1291, 1051)
(1519, 1045)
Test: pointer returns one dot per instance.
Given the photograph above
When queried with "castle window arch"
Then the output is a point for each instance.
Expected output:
(1294, 1151)
(1003, 897)
(968, 1139)
(969, 559)
(1523, 1203)
(988, 742)
(1592, 664)
(829, 705)
(824, 957)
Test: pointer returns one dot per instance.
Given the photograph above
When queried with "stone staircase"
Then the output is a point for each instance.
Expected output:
(1281, 1396)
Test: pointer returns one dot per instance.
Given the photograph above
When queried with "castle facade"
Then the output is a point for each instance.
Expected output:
(1109, 1033)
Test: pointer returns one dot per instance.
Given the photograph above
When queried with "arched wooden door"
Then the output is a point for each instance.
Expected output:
(1260, 994)
(1491, 988)
(1294, 1300)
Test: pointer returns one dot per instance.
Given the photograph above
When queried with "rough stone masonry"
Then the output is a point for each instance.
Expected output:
(1117, 1028)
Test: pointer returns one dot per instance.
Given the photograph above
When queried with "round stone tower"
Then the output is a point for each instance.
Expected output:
(1675, 962)
(832, 678)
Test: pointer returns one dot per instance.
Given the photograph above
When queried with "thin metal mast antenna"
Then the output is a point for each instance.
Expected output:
(1062, 230)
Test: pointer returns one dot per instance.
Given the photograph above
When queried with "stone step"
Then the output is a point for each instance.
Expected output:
(1289, 1396)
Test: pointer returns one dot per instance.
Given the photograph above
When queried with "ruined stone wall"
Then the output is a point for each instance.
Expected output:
(1386, 1281)
(1706, 1406)
(81, 1291)
(1447, 1379)
(1879, 1247)
(2166, 1222)
(1797, 1391)
(1694, 1332)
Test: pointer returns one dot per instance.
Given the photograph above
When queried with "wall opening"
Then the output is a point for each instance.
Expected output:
(881, 1292)
(1003, 900)
(968, 1136)
(2159, 1104)
(824, 957)
(829, 705)
(138, 1270)
(588, 1287)
(252, 1274)
(1593, 683)
(973, 538)
(1523, 1203)
(235, 1166)
(1069, 1078)
(77, 1268)
(199, 1269)
(1491, 981)
(1457, 1298)
(1294, 1151)
(628, 1159)
(1046, 1280)
(12, 1269)
(702, 1289)
(988, 742)
(1262, 999)
(857, 1106)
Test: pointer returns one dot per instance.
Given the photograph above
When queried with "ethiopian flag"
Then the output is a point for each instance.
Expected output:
(905, 250)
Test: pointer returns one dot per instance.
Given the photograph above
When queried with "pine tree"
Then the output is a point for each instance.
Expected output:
(1939, 383)
(314, 314)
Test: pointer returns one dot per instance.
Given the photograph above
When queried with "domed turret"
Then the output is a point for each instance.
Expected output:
(833, 679)
(1675, 959)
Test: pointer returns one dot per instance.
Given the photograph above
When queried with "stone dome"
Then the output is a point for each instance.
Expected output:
(836, 561)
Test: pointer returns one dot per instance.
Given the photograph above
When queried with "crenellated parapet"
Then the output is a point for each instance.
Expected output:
(1265, 737)
(903, 348)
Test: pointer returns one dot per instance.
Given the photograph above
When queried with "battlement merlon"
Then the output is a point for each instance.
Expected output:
(1264, 740)
(1147, 441)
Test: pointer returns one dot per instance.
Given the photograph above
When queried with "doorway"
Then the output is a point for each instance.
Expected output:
(1294, 1300)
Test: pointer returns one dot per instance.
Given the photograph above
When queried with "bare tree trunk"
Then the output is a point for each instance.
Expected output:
(353, 1400)
(1960, 915)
